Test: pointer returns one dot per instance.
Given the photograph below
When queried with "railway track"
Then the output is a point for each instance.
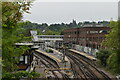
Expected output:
(46, 63)
(81, 71)
(92, 64)
(86, 67)
(82, 68)
(49, 63)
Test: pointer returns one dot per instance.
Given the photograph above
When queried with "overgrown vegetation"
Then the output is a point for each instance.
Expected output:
(20, 74)
(56, 29)
(12, 33)
(111, 58)
(49, 51)
(103, 55)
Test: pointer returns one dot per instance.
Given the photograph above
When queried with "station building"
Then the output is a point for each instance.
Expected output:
(25, 59)
(46, 40)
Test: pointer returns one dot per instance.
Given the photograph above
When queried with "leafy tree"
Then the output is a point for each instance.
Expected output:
(103, 55)
(0, 41)
(11, 15)
(10, 51)
(112, 42)
(21, 74)
(50, 32)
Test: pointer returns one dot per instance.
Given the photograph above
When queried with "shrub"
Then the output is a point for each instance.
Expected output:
(20, 74)
(103, 55)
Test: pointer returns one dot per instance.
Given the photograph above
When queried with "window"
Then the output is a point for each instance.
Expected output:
(80, 32)
(26, 61)
(21, 58)
(93, 32)
(75, 32)
(87, 38)
(87, 32)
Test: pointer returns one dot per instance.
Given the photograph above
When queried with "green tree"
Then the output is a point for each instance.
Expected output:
(103, 55)
(12, 13)
(21, 74)
(50, 32)
(112, 42)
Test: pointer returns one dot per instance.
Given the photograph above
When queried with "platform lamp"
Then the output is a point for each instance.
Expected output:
(64, 53)
(63, 57)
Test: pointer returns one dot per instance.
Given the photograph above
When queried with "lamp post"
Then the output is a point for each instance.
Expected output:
(64, 52)
(54, 44)
(63, 57)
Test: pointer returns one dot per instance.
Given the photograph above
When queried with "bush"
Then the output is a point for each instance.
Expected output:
(49, 51)
(20, 74)
(103, 55)
(113, 64)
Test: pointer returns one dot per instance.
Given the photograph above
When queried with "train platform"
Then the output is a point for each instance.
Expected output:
(59, 53)
(49, 55)
(83, 54)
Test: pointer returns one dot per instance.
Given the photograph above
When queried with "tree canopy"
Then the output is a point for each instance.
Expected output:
(12, 33)
(112, 43)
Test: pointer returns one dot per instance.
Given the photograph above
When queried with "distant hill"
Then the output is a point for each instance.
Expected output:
(56, 29)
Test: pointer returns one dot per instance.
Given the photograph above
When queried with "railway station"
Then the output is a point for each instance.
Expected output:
(67, 55)
(59, 61)
(72, 41)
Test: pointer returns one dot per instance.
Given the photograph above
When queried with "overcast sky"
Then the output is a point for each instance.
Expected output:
(57, 12)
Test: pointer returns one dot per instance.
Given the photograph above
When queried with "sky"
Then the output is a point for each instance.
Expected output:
(58, 11)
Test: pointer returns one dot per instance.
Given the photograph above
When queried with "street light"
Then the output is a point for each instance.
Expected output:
(64, 52)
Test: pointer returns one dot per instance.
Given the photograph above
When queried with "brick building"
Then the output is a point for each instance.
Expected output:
(86, 36)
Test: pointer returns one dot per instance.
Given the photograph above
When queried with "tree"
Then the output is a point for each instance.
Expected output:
(112, 42)
(50, 32)
(11, 14)
(103, 55)
(21, 74)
